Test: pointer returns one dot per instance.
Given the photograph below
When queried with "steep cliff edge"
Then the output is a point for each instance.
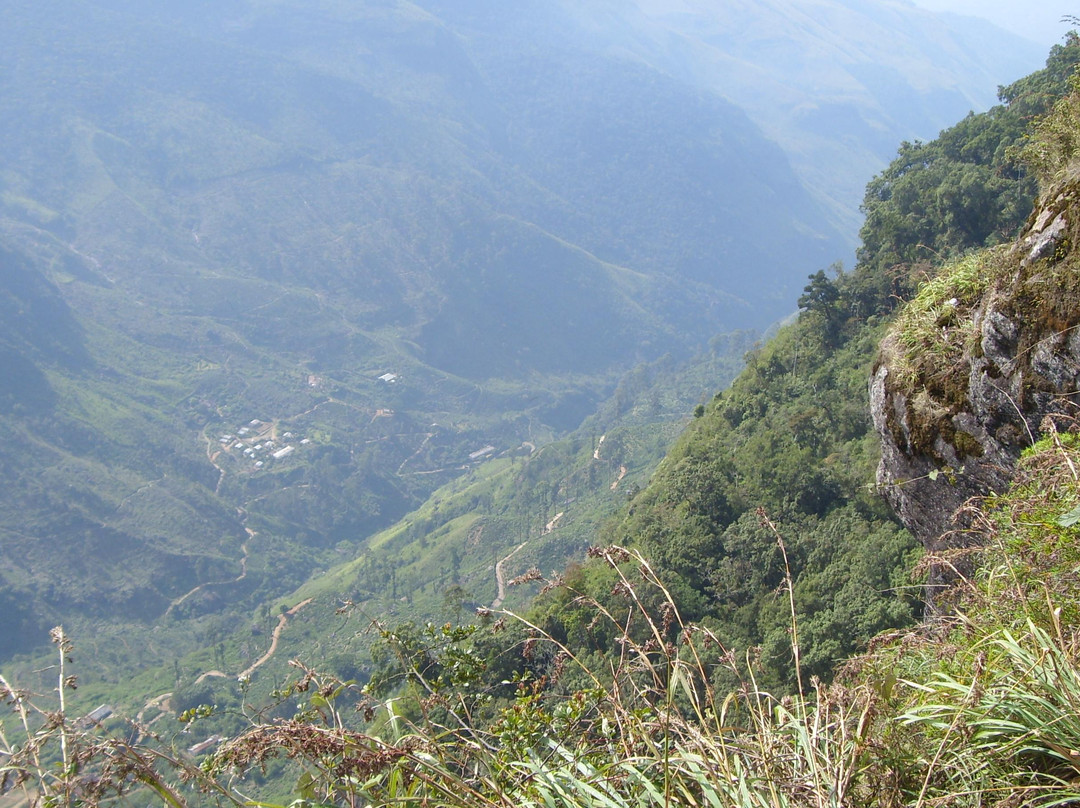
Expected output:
(983, 360)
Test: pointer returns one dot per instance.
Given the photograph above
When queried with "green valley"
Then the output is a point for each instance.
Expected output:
(400, 245)
(386, 415)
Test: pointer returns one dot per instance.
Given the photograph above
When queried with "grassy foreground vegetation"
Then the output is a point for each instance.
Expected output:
(977, 708)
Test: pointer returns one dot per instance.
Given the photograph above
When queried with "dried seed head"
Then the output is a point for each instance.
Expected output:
(667, 616)
(532, 575)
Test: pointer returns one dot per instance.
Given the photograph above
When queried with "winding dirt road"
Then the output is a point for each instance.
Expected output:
(500, 577)
(283, 620)
(243, 574)
(162, 701)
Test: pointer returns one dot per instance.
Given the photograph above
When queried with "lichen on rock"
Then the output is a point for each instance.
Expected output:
(974, 365)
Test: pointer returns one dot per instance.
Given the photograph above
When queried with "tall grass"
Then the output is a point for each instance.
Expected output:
(1000, 712)
(649, 730)
(981, 708)
(931, 333)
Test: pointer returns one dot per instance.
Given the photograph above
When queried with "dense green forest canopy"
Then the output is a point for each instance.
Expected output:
(966, 188)
(791, 439)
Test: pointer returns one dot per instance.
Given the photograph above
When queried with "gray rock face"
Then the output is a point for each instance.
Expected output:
(1023, 365)
(1043, 240)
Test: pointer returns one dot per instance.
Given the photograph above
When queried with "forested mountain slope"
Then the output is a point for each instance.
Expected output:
(630, 681)
(211, 219)
(792, 440)
(379, 237)
(773, 485)
(789, 446)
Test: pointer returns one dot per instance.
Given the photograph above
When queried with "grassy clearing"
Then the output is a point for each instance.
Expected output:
(932, 332)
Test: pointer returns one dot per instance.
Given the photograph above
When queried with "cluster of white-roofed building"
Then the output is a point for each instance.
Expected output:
(258, 443)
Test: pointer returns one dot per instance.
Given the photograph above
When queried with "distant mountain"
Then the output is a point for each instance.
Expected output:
(398, 231)
(403, 174)
(836, 83)
(36, 328)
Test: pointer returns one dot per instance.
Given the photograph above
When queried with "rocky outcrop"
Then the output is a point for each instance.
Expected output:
(965, 382)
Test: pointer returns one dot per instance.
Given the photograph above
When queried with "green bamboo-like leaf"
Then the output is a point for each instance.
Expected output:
(1069, 519)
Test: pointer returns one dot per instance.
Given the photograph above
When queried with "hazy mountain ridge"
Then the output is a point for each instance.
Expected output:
(836, 84)
(241, 223)
(334, 114)
(430, 197)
